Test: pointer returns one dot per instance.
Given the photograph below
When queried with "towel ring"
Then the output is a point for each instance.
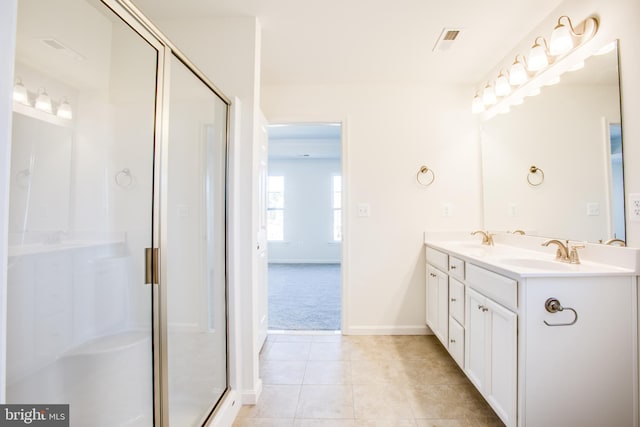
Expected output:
(533, 172)
(124, 178)
(425, 171)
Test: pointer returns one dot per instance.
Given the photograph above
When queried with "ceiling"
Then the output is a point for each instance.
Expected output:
(334, 42)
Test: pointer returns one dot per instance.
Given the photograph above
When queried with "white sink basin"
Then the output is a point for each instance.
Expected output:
(536, 264)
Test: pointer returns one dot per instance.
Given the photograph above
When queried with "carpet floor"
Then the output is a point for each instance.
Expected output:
(304, 297)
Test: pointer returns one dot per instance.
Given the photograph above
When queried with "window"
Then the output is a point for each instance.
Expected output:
(337, 208)
(275, 208)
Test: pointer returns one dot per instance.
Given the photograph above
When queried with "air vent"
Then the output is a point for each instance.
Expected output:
(61, 47)
(446, 39)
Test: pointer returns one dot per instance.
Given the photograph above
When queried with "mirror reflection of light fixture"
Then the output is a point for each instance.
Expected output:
(20, 93)
(538, 58)
(43, 102)
(64, 110)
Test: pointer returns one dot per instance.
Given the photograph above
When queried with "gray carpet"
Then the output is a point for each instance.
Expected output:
(304, 297)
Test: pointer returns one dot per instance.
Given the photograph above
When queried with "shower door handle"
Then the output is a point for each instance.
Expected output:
(151, 266)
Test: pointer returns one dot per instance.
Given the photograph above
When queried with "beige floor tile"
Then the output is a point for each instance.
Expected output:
(328, 372)
(385, 423)
(443, 423)
(378, 371)
(288, 351)
(447, 402)
(263, 422)
(380, 402)
(324, 423)
(493, 421)
(329, 351)
(286, 337)
(325, 401)
(282, 371)
(276, 401)
(329, 337)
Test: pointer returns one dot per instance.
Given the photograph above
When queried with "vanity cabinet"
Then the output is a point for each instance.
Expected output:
(437, 303)
(554, 347)
(491, 353)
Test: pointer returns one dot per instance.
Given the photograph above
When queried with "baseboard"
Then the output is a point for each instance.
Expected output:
(304, 261)
(251, 397)
(388, 330)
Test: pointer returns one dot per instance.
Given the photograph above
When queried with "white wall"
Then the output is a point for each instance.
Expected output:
(308, 211)
(8, 11)
(389, 132)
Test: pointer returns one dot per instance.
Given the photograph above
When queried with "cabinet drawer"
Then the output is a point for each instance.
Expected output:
(437, 259)
(495, 286)
(456, 300)
(456, 341)
(456, 267)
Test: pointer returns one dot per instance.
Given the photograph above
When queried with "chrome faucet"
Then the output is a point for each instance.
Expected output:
(565, 252)
(487, 238)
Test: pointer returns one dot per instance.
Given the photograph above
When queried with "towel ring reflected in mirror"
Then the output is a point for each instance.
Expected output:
(425, 176)
(535, 176)
(124, 178)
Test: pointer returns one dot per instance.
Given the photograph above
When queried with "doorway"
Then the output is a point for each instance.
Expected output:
(304, 226)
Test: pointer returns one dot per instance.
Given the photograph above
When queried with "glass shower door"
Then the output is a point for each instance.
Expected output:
(81, 199)
(193, 248)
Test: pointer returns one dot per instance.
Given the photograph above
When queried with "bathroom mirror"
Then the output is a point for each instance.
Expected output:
(571, 132)
(40, 176)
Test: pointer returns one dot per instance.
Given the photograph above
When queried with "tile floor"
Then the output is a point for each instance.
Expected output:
(328, 380)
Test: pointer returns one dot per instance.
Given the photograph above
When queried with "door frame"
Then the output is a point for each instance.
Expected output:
(345, 255)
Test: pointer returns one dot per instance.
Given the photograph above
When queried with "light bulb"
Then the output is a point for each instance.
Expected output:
(43, 102)
(64, 110)
(503, 88)
(517, 73)
(537, 57)
(20, 93)
(488, 95)
(477, 106)
(561, 41)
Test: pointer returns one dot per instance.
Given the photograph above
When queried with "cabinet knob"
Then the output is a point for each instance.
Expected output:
(453, 300)
(452, 341)
(483, 308)
(453, 267)
(432, 275)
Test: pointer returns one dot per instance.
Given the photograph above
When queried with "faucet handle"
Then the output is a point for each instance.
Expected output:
(574, 258)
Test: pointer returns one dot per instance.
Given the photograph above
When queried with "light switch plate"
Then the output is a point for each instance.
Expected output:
(447, 210)
(634, 207)
(593, 209)
(364, 210)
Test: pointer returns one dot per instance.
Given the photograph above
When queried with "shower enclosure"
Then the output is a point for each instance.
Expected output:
(117, 301)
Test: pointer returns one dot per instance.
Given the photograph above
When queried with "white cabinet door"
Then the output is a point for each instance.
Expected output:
(456, 341)
(438, 303)
(491, 353)
(456, 300)
(475, 338)
(501, 383)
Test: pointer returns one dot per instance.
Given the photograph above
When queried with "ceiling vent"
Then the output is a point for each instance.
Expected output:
(446, 39)
(61, 47)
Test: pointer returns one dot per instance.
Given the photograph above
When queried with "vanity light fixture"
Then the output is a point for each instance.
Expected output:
(43, 102)
(517, 73)
(64, 110)
(477, 106)
(20, 93)
(538, 56)
(542, 66)
(503, 88)
(489, 95)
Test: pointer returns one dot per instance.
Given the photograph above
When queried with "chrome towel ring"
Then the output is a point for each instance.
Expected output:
(535, 176)
(425, 176)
